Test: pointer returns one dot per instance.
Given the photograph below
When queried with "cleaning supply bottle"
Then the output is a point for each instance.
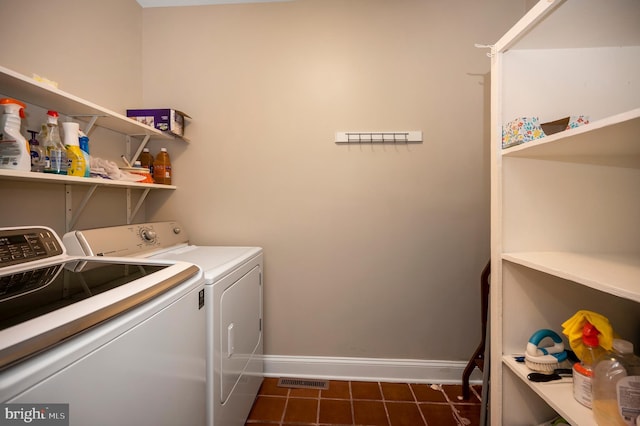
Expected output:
(84, 147)
(616, 386)
(14, 149)
(162, 168)
(77, 164)
(56, 153)
(146, 160)
(583, 370)
(37, 153)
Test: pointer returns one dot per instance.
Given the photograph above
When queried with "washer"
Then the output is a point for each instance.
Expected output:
(117, 339)
(233, 305)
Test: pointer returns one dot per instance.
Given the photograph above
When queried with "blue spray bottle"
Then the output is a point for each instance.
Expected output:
(84, 147)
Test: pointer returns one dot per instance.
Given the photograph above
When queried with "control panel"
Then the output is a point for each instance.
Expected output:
(20, 245)
(126, 240)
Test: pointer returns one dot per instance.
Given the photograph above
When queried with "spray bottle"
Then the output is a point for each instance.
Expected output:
(84, 147)
(56, 157)
(77, 163)
(14, 149)
(583, 370)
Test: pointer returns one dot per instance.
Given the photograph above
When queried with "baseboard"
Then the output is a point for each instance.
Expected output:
(368, 369)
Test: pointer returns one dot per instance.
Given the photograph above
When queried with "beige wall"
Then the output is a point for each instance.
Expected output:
(92, 48)
(370, 251)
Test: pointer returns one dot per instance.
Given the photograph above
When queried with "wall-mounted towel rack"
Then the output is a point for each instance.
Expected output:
(379, 137)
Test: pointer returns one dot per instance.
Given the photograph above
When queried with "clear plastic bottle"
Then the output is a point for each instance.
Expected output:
(583, 370)
(14, 148)
(616, 386)
(42, 136)
(37, 153)
(56, 153)
(162, 168)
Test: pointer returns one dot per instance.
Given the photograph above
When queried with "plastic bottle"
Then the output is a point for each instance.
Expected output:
(616, 386)
(84, 147)
(146, 159)
(162, 168)
(583, 370)
(56, 153)
(14, 149)
(77, 164)
(37, 153)
(42, 137)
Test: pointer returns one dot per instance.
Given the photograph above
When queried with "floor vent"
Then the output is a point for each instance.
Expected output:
(303, 383)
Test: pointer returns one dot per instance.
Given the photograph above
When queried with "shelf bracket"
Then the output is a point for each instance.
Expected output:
(133, 158)
(491, 48)
(70, 218)
(90, 123)
(132, 212)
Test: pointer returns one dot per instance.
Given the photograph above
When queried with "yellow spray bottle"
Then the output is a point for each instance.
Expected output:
(77, 162)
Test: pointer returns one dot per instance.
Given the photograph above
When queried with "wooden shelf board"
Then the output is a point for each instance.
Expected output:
(15, 175)
(612, 141)
(558, 394)
(616, 274)
(28, 90)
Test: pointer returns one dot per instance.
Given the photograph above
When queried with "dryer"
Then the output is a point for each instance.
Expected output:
(233, 305)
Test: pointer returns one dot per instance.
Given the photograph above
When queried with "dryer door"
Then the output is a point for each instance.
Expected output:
(240, 328)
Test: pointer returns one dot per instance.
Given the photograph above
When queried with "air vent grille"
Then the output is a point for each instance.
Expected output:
(284, 382)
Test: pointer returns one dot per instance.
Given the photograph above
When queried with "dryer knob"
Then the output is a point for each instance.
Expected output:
(149, 235)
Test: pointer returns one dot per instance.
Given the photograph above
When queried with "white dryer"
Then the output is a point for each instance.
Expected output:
(233, 305)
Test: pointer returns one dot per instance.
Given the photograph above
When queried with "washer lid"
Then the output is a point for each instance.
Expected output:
(44, 305)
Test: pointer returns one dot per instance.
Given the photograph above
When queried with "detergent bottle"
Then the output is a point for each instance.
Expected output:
(583, 370)
(146, 159)
(56, 154)
(77, 163)
(616, 386)
(14, 149)
(162, 168)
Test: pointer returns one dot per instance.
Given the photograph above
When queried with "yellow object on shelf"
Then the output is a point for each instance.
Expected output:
(572, 328)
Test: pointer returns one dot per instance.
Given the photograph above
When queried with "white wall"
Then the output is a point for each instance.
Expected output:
(370, 251)
(92, 49)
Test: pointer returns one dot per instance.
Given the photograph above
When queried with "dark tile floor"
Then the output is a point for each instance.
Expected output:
(365, 403)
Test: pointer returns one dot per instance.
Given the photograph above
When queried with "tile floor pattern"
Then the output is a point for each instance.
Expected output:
(365, 404)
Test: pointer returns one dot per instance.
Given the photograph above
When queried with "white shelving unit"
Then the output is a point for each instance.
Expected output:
(30, 91)
(565, 209)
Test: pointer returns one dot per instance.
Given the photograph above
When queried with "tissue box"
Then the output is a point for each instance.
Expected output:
(167, 120)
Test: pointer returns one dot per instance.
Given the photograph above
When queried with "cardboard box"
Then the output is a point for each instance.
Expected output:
(167, 120)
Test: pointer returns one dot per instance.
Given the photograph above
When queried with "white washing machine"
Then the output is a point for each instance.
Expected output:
(233, 305)
(115, 340)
